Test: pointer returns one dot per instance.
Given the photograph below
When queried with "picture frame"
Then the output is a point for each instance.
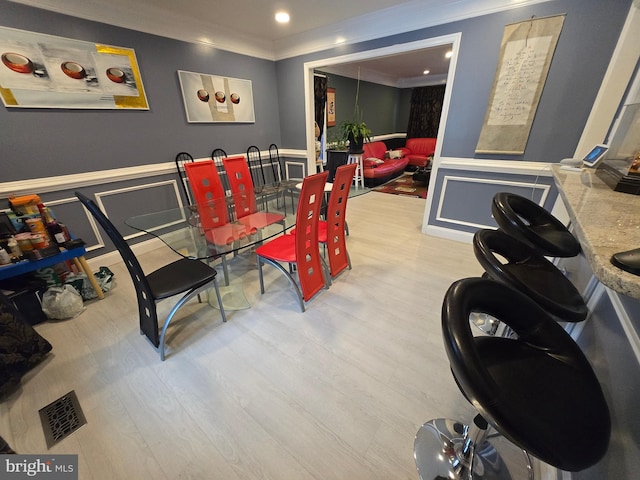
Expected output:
(216, 99)
(45, 71)
(331, 107)
(526, 53)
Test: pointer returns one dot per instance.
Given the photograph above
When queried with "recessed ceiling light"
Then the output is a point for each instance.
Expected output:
(449, 54)
(426, 72)
(282, 17)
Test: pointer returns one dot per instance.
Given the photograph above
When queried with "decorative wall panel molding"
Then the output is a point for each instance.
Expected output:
(101, 177)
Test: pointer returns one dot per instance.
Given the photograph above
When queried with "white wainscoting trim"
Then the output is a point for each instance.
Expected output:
(450, 178)
(78, 180)
(100, 177)
(626, 322)
(541, 169)
(112, 258)
(502, 167)
(90, 220)
(290, 165)
(119, 191)
(449, 234)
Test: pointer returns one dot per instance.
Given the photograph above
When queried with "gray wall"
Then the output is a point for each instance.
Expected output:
(112, 139)
(379, 104)
(73, 141)
(404, 106)
(63, 142)
(589, 35)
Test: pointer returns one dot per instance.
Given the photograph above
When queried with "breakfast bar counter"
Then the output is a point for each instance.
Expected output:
(605, 222)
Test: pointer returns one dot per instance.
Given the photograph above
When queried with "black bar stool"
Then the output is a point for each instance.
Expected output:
(537, 391)
(509, 261)
(531, 224)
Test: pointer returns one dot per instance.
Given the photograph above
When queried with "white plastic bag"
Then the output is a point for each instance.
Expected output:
(62, 302)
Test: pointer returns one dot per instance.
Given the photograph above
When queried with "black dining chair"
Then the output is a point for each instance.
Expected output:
(277, 169)
(184, 276)
(285, 184)
(265, 185)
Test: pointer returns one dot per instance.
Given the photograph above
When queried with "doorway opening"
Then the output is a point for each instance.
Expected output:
(310, 67)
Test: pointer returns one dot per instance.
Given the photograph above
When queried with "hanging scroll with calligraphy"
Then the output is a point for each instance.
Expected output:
(526, 52)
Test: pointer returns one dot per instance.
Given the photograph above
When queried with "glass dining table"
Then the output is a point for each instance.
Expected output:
(233, 225)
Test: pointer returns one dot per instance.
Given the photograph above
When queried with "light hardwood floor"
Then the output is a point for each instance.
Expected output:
(335, 393)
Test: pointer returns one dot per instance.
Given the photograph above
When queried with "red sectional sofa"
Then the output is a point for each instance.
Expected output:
(377, 167)
(419, 150)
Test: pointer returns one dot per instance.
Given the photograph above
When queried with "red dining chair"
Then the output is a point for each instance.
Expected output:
(212, 208)
(244, 199)
(332, 231)
(300, 249)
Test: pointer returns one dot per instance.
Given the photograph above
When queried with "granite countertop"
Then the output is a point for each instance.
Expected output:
(605, 222)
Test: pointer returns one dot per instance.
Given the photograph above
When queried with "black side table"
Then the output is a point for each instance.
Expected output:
(422, 175)
(335, 158)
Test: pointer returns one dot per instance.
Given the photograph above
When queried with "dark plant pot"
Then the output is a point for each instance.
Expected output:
(355, 146)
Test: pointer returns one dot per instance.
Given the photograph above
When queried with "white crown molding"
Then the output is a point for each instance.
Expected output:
(403, 18)
(145, 18)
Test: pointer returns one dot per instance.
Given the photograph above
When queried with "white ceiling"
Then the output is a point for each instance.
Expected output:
(404, 70)
(248, 26)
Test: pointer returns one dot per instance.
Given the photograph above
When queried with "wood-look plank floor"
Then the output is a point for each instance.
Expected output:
(335, 393)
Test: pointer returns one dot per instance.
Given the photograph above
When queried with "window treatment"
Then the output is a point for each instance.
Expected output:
(320, 100)
(426, 108)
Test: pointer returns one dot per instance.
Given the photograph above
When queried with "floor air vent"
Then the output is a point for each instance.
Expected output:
(61, 418)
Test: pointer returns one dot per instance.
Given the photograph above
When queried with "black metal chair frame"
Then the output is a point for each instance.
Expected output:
(286, 184)
(181, 159)
(263, 188)
(184, 276)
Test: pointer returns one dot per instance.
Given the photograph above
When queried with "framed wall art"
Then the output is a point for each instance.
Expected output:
(526, 52)
(331, 107)
(212, 98)
(45, 71)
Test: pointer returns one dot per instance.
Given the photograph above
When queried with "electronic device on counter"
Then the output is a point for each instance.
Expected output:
(596, 154)
(590, 160)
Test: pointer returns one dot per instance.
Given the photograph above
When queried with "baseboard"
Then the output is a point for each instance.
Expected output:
(448, 233)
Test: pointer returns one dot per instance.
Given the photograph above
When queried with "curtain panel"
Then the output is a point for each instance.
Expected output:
(320, 100)
(426, 108)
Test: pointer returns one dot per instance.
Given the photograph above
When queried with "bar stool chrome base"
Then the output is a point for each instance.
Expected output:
(446, 449)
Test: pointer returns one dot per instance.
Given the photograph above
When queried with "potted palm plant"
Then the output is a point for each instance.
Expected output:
(356, 132)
